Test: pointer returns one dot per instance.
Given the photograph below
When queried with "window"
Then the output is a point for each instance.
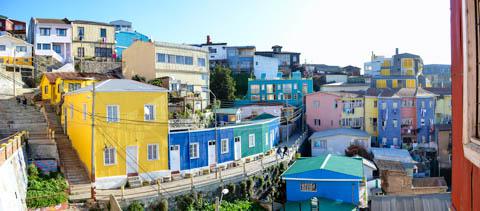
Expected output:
(212, 50)
(71, 111)
(317, 122)
(251, 140)
(149, 112)
(263, 86)
(287, 96)
(269, 88)
(45, 90)
(103, 52)
(161, 57)
(224, 146)
(254, 89)
(395, 123)
(394, 105)
(194, 151)
(189, 60)
(422, 122)
(46, 46)
(2, 47)
(287, 88)
(316, 104)
(320, 144)
(375, 103)
(152, 152)
(201, 62)
(62, 32)
(80, 52)
(73, 86)
(395, 141)
(384, 141)
(103, 33)
(295, 86)
(255, 97)
(430, 104)
(305, 88)
(81, 32)
(171, 59)
(84, 111)
(112, 113)
(308, 187)
(423, 104)
(44, 31)
(424, 139)
(57, 48)
(384, 105)
(179, 59)
(21, 48)
(109, 156)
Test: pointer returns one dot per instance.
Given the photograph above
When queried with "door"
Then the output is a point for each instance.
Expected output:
(65, 119)
(237, 146)
(132, 161)
(175, 157)
(211, 152)
(54, 94)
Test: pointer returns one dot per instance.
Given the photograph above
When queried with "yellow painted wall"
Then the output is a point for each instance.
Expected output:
(19, 60)
(411, 83)
(394, 83)
(135, 61)
(91, 38)
(444, 106)
(61, 86)
(45, 83)
(370, 112)
(132, 130)
(381, 83)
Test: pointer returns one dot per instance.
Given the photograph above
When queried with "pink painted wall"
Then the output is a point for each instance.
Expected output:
(409, 112)
(327, 113)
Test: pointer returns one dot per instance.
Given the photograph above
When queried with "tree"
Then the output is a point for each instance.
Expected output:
(156, 82)
(241, 84)
(139, 78)
(353, 150)
(222, 83)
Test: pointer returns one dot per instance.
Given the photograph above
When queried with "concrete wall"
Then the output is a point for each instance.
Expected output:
(13, 182)
(139, 59)
(265, 65)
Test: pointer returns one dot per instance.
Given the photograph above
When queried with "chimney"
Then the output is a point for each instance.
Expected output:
(208, 40)
(396, 51)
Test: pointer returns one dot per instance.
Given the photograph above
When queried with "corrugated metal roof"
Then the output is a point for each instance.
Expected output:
(339, 131)
(335, 163)
(77, 76)
(391, 154)
(227, 110)
(120, 85)
(427, 202)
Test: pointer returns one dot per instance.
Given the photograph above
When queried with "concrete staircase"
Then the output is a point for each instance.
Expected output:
(72, 167)
(14, 117)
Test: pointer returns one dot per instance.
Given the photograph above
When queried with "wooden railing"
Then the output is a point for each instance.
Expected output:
(11, 144)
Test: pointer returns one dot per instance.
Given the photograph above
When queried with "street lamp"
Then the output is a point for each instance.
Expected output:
(224, 192)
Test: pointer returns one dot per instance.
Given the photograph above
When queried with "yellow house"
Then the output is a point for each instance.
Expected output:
(130, 130)
(443, 108)
(53, 85)
(93, 40)
(353, 110)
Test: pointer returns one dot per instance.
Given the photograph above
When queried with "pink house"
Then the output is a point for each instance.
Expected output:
(323, 111)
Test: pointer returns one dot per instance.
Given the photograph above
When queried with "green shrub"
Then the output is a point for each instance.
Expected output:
(45, 190)
(163, 205)
(136, 206)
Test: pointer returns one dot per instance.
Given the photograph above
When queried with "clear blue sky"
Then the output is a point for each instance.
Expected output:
(339, 32)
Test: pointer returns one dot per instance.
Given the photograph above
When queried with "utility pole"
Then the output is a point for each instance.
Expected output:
(93, 143)
(14, 70)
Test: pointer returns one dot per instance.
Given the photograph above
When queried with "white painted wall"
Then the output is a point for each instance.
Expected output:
(337, 144)
(374, 66)
(64, 41)
(336, 78)
(13, 183)
(221, 52)
(10, 45)
(265, 64)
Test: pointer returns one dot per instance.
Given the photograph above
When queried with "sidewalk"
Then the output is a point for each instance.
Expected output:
(176, 187)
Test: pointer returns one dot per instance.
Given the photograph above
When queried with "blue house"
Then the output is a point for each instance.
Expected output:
(240, 58)
(333, 177)
(124, 39)
(425, 119)
(191, 150)
(290, 90)
(389, 119)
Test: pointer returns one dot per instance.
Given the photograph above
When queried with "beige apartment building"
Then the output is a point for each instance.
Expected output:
(93, 40)
(185, 67)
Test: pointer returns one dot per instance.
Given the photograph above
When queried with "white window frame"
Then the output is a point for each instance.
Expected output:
(471, 143)
(222, 141)
(251, 140)
(196, 150)
(105, 155)
(266, 139)
(153, 111)
(155, 152)
(118, 114)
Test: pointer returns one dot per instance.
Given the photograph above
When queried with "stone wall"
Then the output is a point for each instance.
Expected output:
(98, 67)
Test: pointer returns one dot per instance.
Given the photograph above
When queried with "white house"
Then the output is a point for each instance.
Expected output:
(265, 65)
(336, 78)
(13, 48)
(51, 37)
(336, 141)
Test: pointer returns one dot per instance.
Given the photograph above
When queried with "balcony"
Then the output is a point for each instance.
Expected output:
(408, 130)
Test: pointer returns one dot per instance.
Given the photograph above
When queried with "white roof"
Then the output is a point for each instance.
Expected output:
(391, 154)
(120, 85)
(15, 40)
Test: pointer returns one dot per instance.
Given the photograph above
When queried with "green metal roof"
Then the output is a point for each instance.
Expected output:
(335, 163)
(263, 116)
(323, 205)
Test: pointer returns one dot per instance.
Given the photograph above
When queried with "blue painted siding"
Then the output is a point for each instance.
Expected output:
(225, 134)
(427, 113)
(124, 39)
(346, 191)
(389, 115)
